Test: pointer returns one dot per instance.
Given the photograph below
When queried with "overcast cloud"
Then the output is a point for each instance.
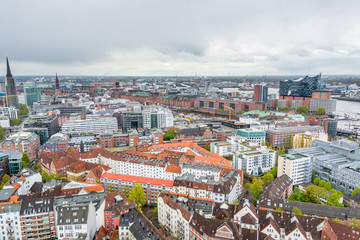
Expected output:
(153, 37)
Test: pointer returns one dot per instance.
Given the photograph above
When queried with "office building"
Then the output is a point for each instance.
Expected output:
(48, 121)
(296, 166)
(337, 162)
(23, 142)
(11, 112)
(131, 120)
(43, 133)
(260, 93)
(97, 125)
(32, 93)
(279, 136)
(10, 162)
(11, 95)
(252, 135)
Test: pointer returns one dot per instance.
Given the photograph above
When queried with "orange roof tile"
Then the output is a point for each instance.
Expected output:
(16, 185)
(174, 169)
(142, 180)
(95, 188)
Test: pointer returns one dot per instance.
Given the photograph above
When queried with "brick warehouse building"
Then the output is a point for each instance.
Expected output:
(237, 106)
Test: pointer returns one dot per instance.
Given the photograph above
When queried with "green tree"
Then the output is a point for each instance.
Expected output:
(355, 191)
(207, 147)
(16, 121)
(302, 109)
(322, 183)
(4, 180)
(267, 178)
(24, 160)
(354, 222)
(2, 133)
(316, 181)
(247, 186)
(294, 108)
(327, 186)
(296, 211)
(235, 202)
(256, 188)
(285, 108)
(297, 195)
(278, 210)
(320, 111)
(23, 110)
(333, 199)
(137, 195)
(279, 109)
(273, 171)
(169, 135)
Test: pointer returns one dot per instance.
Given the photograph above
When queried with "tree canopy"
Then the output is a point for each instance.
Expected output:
(169, 135)
(296, 211)
(137, 195)
(24, 160)
(23, 110)
(302, 109)
(268, 178)
(256, 188)
(320, 111)
(355, 191)
(4, 180)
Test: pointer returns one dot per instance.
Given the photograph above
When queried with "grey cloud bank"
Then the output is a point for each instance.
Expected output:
(180, 37)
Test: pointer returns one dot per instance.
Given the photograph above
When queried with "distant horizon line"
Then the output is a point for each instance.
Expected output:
(187, 76)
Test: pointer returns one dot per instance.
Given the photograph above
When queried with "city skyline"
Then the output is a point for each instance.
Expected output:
(177, 38)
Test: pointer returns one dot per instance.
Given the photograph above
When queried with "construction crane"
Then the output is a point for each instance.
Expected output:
(227, 107)
(6, 96)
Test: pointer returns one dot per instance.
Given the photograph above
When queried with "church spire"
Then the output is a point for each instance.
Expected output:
(8, 72)
(57, 83)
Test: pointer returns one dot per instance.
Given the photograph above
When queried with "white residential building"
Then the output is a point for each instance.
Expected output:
(74, 221)
(255, 161)
(95, 198)
(139, 168)
(4, 122)
(24, 182)
(10, 222)
(296, 166)
(202, 171)
(174, 217)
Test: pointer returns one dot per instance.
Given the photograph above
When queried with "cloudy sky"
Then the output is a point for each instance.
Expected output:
(180, 37)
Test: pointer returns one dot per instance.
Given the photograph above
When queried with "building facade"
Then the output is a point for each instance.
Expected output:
(23, 142)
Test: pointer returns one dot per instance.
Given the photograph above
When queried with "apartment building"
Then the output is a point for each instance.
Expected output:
(10, 221)
(23, 142)
(120, 183)
(296, 166)
(227, 189)
(76, 221)
(255, 160)
(97, 199)
(23, 181)
(37, 218)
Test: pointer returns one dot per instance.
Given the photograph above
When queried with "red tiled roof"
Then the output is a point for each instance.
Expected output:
(142, 180)
(94, 188)
(174, 169)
